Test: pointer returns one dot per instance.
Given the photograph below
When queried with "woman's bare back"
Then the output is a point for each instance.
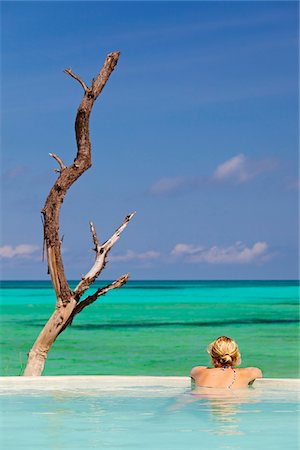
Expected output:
(224, 377)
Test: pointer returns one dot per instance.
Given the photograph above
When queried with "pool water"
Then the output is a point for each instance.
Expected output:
(154, 416)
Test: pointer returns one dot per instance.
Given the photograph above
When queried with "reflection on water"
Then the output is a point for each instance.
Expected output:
(224, 407)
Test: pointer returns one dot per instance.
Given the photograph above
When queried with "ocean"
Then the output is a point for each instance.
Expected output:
(156, 328)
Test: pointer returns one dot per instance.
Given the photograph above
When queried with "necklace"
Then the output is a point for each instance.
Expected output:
(234, 374)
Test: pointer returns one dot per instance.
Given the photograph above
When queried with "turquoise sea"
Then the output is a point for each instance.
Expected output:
(156, 327)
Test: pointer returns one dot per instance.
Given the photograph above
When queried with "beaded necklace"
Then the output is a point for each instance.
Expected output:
(234, 374)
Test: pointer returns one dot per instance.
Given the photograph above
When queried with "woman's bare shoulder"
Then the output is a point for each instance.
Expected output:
(196, 370)
(253, 372)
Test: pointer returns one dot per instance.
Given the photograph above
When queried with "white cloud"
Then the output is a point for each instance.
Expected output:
(185, 249)
(238, 253)
(167, 185)
(131, 255)
(234, 167)
(240, 169)
(19, 251)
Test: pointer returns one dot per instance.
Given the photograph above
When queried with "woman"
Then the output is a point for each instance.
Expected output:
(225, 356)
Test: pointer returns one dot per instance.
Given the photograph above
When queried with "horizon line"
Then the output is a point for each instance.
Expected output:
(162, 279)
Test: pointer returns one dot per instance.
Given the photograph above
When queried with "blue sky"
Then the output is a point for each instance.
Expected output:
(196, 131)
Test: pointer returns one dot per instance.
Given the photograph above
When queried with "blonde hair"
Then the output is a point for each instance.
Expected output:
(224, 352)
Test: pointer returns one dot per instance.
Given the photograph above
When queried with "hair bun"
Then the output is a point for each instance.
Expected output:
(226, 359)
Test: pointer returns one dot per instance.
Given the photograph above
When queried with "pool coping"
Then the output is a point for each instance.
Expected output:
(107, 381)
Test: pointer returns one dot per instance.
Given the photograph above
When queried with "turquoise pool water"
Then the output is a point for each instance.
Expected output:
(150, 417)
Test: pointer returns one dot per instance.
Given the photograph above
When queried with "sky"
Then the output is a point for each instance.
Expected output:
(196, 131)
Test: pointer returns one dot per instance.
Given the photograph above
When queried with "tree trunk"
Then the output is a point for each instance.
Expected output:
(68, 302)
(38, 354)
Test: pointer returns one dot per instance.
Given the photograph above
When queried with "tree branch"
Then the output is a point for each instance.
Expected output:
(60, 162)
(100, 261)
(69, 72)
(95, 238)
(92, 298)
(68, 176)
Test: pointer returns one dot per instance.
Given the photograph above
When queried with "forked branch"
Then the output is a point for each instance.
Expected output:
(92, 298)
(100, 260)
(101, 291)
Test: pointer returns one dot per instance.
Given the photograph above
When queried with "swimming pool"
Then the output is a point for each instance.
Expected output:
(151, 413)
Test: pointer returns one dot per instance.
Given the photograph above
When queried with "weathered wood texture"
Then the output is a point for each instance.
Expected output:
(68, 302)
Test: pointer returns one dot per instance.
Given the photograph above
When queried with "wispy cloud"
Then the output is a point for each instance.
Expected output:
(15, 172)
(131, 255)
(167, 185)
(293, 185)
(183, 29)
(234, 167)
(240, 169)
(19, 251)
(238, 253)
(186, 249)
(177, 185)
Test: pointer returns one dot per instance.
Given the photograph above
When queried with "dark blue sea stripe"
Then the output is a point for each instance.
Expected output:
(173, 324)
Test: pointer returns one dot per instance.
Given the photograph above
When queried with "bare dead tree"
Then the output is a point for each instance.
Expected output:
(68, 301)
